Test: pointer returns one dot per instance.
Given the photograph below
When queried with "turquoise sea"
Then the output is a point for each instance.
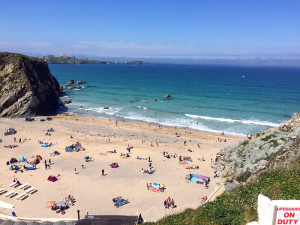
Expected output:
(234, 100)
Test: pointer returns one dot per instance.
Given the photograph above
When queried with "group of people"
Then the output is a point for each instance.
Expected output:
(125, 155)
(47, 165)
(20, 140)
(169, 203)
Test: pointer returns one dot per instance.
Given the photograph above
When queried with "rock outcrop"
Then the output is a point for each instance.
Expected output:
(81, 82)
(280, 145)
(27, 87)
(70, 83)
(67, 102)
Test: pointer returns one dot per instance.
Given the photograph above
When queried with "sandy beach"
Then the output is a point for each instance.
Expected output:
(94, 192)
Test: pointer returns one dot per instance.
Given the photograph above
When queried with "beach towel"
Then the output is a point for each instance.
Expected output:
(114, 165)
(29, 167)
(22, 159)
(197, 179)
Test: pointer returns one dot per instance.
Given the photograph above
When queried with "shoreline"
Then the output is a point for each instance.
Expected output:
(130, 121)
(99, 137)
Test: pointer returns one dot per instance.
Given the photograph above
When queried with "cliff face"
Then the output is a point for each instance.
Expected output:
(27, 87)
(277, 146)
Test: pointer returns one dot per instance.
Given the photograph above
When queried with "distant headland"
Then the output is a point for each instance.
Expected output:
(64, 59)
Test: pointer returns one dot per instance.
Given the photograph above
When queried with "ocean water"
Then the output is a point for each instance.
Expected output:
(234, 100)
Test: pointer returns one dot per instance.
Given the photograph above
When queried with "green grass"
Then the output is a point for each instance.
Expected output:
(274, 143)
(245, 143)
(267, 138)
(240, 205)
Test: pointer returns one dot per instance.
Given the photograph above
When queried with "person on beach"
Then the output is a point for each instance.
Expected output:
(49, 161)
(46, 165)
(103, 172)
(140, 219)
(184, 143)
(75, 172)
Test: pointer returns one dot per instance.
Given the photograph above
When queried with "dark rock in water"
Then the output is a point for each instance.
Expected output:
(67, 102)
(75, 88)
(27, 87)
(80, 82)
(167, 95)
(106, 107)
(70, 83)
(61, 88)
(63, 93)
(155, 100)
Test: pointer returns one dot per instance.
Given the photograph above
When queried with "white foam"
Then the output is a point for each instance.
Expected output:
(133, 116)
(145, 108)
(110, 111)
(178, 122)
(256, 122)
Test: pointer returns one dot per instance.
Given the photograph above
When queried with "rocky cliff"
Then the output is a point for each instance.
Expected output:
(277, 146)
(27, 87)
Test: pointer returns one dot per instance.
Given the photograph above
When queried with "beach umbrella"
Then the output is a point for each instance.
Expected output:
(6, 205)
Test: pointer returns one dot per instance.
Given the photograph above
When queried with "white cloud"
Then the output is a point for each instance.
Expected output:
(5, 44)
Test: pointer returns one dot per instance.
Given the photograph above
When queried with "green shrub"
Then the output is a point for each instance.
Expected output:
(267, 138)
(245, 142)
(274, 143)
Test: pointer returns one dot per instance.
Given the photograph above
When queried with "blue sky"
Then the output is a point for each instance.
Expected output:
(140, 28)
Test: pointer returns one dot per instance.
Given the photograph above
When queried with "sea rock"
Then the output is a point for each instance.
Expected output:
(80, 82)
(75, 88)
(27, 87)
(70, 83)
(63, 93)
(106, 107)
(67, 102)
(167, 95)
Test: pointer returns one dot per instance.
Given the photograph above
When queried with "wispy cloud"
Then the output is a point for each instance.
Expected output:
(5, 44)
(122, 48)
(133, 49)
